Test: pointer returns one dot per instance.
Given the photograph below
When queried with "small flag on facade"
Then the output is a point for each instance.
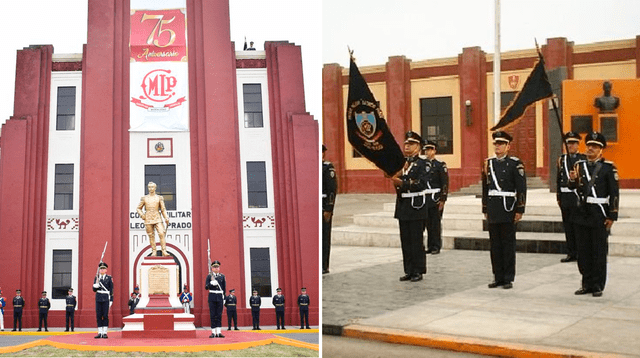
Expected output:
(366, 127)
(535, 88)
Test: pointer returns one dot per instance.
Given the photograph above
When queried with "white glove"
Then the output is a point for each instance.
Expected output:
(96, 285)
(110, 303)
(214, 282)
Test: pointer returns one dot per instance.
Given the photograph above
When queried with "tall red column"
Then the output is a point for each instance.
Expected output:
(295, 154)
(104, 158)
(333, 118)
(473, 87)
(399, 97)
(215, 152)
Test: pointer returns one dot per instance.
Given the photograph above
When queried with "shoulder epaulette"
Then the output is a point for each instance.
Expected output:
(515, 158)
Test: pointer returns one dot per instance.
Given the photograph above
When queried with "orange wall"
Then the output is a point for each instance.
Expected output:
(579, 96)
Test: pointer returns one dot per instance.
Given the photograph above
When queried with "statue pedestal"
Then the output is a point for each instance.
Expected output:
(159, 313)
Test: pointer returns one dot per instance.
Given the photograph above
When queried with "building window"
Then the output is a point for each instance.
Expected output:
(257, 184)
(436, 115)
(261, 271)
(165, 178)
(66, 111)
(252, 94)
(63, 190)
(61, 279)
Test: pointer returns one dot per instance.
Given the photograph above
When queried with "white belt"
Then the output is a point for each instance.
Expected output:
(104, 292)
(564, 189)
(212, 291)
(324, 195)
(494, 192)
(592, 200)
(424, 192)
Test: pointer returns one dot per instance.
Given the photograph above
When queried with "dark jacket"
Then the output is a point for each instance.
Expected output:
(303, 302)
(438, 178)
(18, 304)
(231, 302)
(222, 286)
(44, 305)
(566, 200)
(278, 302)
(410, 204)
(504, 194)
(255, 302)
(106, 284)
(329, 186)
(71, 303)
(592, 213)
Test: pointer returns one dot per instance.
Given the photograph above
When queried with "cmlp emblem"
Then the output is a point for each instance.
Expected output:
(158, 86)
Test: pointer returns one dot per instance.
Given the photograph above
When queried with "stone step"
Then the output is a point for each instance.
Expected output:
(619, 245)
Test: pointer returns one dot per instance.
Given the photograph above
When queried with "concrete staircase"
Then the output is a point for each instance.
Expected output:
(540, 230)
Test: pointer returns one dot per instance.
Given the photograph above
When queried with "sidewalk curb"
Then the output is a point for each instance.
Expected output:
(459, 344)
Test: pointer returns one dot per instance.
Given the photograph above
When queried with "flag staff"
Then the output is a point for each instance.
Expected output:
(496, 66)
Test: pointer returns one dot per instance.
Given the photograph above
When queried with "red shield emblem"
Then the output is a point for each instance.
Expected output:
(513, 81)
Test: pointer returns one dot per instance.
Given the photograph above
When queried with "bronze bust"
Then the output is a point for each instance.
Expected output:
(607, 103)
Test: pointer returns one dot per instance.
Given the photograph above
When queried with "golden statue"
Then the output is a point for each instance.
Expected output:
(154, 205)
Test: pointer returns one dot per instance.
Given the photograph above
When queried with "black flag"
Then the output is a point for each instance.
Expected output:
(535, 88)
(366, 128)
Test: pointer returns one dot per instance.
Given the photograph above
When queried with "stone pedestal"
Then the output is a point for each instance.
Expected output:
(159, 313)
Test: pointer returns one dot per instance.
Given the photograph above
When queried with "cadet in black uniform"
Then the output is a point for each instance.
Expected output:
(134, 300)
(231, 302)
(303, 304)
(278, 303)
(329, 187)
(255, 301)
(411, 210)
(103, 287)
(596, 181)
(217, 286)
(568, 198)
(504, 193)
(436, 195)
(70, 310)
(44, 305)
(18, 305)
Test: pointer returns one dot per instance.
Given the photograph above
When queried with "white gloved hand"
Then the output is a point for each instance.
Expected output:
(110, 303)
(214, 282)
(96, 285)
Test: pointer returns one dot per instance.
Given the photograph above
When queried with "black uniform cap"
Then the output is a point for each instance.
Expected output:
(430, 144)
(103, 265)
(596, 138)
(412, 136)
(278, 289)
(44, 292)
(70, 289)
(500, 136)
(572, 137)
(215, 263)
(232, 290)
(254, 290)
(324, 148)
(303, 289)
(18, 291)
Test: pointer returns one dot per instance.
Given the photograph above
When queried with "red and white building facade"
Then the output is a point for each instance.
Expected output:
(154, 97)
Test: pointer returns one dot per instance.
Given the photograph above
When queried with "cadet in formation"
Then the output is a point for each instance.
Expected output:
(231, 302)
(18, 305)
(568, 198)
(596, 181)
(3, 302)
(329, 187)
(70, 309)
(134, 300)
(217, 286)
(411, 210)
(303, 305)
(255, 301)
(103, 287)
(504, 193)
(278, 303)
(43, 305)
(435, 195)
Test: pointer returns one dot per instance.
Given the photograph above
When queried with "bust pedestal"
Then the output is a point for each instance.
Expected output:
(159, 313)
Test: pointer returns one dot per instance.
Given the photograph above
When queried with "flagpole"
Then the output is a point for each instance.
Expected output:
(496, 66)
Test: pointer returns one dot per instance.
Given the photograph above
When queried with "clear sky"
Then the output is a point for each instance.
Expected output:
(63, 23)
(428, 29)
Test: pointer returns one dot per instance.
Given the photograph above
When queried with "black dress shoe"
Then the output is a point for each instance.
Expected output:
(212, 335)
(435, 252)
(66, 330)
(325, 271)
(405, 278)
(39, 330)
(98, 336)
(236, 329)
(283, 328)
(228, 329)
(429, 251)
(13, 330)
(568, 259)
(507, 285)
(259, 329)
(416, 278)
(495, 284)
(583, 291)
(597, 293)
(220, 335)
(105, 336)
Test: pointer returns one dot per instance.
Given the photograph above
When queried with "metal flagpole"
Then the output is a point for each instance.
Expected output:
(496, 66)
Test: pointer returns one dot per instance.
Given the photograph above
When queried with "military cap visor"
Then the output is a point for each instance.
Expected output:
(572, 137)
(501, 136)
(103, 265)
(232, 290)
(430, 145)
(412, 137)
(597, 139)
(215, 263)
(44, 293)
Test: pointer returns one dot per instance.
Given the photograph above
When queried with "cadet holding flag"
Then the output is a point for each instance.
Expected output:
(411, 209)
